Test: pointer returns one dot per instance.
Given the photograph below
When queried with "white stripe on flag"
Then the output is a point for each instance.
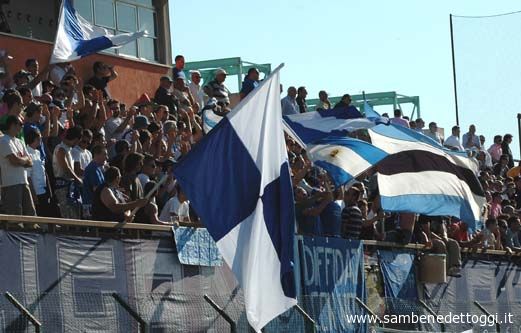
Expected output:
(340, 156)
(393, 146)
(429, 182)
(253, 270)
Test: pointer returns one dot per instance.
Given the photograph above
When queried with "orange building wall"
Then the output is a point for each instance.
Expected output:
(134, 77)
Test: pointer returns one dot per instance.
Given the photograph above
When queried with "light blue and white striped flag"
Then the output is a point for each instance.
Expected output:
(344, 158)
(76, 37)
(420, 176)
(237, 178)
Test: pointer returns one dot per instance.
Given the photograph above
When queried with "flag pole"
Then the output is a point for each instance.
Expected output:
(454, 70)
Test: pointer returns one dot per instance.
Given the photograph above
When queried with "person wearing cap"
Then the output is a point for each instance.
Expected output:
(452, 142)
(323, 103)
(179, 65)
(140, 122)
(164, 96)
(195, 88)
(217, 89)
(103, 74)
(251, 81)
(183, 95)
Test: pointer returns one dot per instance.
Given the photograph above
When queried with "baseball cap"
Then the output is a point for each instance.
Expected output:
(165, 78)
(141, 122)
(180, 75)
(195, 72)
(220, 71)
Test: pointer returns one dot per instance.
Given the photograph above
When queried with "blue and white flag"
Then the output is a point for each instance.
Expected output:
(210, 118)
(420, 176)
(76, 37)
(312, 126)
(344, 158)
(369, 112)
(237, 178)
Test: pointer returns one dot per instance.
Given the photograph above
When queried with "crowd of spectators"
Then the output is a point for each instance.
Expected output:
(69, 150)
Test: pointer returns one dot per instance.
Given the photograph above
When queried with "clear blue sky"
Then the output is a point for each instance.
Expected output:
(337, 45)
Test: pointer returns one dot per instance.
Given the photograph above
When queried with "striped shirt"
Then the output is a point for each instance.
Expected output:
(351, 222)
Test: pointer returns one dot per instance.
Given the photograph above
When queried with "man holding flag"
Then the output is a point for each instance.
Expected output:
(237, 178)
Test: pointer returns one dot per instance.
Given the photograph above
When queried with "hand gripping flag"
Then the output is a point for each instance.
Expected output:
(237, 178)
(76, 37)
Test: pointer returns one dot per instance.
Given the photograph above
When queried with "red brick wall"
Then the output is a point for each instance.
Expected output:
(135, 77)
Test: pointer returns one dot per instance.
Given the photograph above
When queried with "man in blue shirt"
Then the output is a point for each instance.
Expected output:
(93, 177)
(251, 81)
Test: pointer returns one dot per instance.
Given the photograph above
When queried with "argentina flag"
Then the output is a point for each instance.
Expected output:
(76, 37)
(420, 176)
(309, 127)
(237, 178)
(344, 158)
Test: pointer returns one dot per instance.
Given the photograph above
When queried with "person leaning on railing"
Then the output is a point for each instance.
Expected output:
(109, 204)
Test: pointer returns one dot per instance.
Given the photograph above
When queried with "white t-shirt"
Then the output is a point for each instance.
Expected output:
(37, 171)
(83, 156)
(111, 126)
(11, 174)
(453, 141)
(58, 171)
(173, 208)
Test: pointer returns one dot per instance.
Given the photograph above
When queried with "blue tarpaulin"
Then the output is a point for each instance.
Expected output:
(195, 246)
(332, 273)
(398, 274)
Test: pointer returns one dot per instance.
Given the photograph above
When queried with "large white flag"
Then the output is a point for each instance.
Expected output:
(237, 178)
(76, 37)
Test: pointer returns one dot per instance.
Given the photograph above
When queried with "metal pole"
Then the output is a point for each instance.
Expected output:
(454, 70)
(498, 327)
(233, 325)
(366, 308)
(310, 324)
(519, 132)
(37, 325)
(442, 325)
(141, 322)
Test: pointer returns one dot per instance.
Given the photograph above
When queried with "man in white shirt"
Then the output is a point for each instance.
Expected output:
(177, 208)
(16, 195)
(452, 142)
(195, 88)
(81, 156)
(289, 103)
(37, 175)
(433, 133)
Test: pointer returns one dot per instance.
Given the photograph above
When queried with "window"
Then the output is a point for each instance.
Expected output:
(147, 21)
(104, 13)
(84, 8)
(127, 17)
(123, 16)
